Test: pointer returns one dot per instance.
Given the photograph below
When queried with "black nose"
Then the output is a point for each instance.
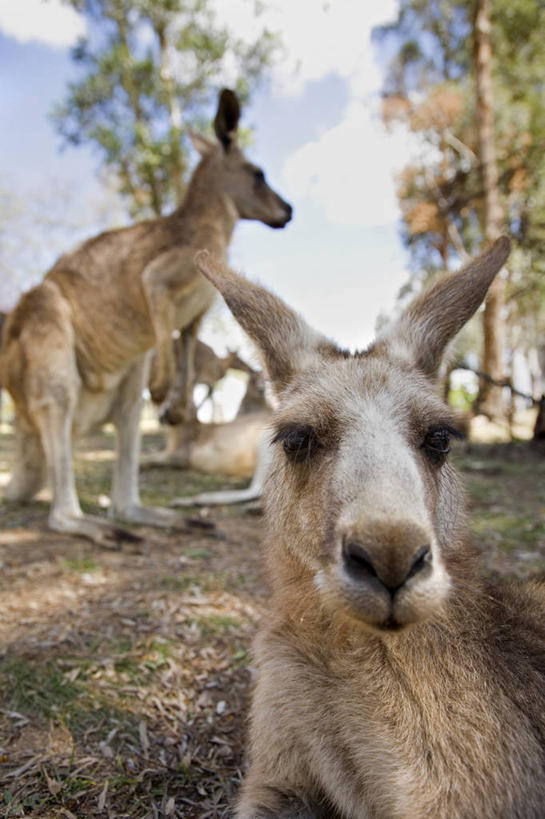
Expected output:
(289, 211)
(359, 564)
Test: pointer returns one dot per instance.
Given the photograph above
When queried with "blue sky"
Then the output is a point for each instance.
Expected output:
(317, 135)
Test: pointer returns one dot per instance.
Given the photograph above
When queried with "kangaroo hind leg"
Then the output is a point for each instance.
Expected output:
(29, 470)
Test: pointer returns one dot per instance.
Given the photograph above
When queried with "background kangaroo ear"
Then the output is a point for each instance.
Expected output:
(227, 117)
(286, 342)
(425, 328)
(201, 143)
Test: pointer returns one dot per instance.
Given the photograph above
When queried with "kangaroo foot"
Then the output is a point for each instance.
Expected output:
(94, 528)
(149, 516)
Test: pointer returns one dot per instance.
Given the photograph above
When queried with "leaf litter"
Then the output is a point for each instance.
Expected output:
(125, 675)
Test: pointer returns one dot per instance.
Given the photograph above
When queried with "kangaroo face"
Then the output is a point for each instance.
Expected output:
(230, 174)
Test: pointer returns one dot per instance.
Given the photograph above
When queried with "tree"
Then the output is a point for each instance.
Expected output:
(426, 90)
(149, 69)
(36, 227)
(452, 193)
(490, 400)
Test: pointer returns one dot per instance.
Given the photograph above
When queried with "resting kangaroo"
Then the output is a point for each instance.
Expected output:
(394, 682)
(237, 447)
(73, 348)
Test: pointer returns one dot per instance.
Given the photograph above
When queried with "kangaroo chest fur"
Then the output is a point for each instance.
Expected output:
(390, 733)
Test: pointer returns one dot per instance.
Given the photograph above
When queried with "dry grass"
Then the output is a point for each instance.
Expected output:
(125, 676)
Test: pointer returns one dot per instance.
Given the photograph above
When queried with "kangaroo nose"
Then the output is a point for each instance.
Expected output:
(392, 574)
(289, 210)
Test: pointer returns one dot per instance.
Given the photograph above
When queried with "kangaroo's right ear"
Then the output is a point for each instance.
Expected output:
(227, 117)
(424, 329)
(287, 344)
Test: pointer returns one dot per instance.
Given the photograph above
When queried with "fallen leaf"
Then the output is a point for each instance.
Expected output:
(102, 797)
(53, 785)
(143, 734)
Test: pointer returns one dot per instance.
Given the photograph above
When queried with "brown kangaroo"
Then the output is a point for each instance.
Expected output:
(74, 348)
(394, 681)
(208, 369)
(228, 448)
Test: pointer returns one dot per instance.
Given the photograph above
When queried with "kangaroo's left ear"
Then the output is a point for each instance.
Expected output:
(286, 342)
(227, 117)
(425, 328)
(201, 143)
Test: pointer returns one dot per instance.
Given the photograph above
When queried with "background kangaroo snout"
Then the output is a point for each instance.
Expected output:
(285, 214)
(255, 199)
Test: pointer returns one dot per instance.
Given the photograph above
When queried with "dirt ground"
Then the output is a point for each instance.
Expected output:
(125, 675)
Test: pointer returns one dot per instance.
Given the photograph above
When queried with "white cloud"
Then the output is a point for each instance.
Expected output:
(319, 38)
(350, 169)
(49, 22)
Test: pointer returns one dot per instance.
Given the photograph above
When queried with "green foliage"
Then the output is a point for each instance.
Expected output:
(462, 398)
(431, 42)
(149, 69)
(37, 688)
(81, 565)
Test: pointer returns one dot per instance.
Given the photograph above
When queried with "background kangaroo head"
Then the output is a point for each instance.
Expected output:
(229, 172)
(361, 496)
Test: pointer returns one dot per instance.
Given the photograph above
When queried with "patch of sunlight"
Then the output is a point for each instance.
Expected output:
(16, 536)
(484, 431)
(97, 455)
(45, 495)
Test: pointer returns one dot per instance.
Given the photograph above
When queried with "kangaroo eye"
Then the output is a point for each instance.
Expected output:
(298, 442)
(437, 444)
(259, 176)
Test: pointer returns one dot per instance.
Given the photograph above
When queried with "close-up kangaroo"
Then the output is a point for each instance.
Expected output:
(393, 680)
(73, 353)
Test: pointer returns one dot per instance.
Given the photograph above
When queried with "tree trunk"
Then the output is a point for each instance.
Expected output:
(490, 400)
(2, 318)
(539, 428)
(175, 113)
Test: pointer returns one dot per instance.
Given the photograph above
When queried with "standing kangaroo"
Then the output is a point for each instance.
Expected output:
(394, 682)
(73, 348)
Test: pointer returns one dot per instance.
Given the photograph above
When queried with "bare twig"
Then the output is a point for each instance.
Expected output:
(500, 383)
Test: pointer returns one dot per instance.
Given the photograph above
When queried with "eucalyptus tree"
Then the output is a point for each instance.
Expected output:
(467, 80)
(146, 71)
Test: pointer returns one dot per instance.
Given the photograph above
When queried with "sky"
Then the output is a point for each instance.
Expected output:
(317, 134)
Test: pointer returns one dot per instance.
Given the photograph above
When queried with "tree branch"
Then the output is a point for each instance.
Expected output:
(500, 383)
